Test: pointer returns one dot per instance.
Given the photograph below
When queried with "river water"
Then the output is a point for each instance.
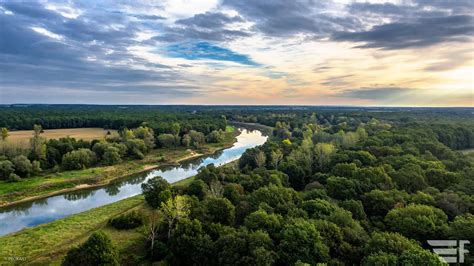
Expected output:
(16, 217)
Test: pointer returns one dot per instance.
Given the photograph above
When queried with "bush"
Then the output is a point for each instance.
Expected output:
(127, 221)
(14, 178)
(97, 250)
(6, 168)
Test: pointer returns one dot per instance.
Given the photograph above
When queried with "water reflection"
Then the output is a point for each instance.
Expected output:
(17, 217)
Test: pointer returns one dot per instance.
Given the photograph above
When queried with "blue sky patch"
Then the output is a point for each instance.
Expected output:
(205, 50)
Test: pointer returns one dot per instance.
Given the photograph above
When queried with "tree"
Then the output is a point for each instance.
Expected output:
(197, 188)
(323, 152)
(355, 207)
(147, 135)
(79, 159)
(175, 129)
(379, 203)
(245, 248)
(261, 220)
(441, 178)
(388, 242)
(173, 210)
(97, 250)
(380, 258)
(318, 208)
(259, 158)
(197, 138)
(276, 156)
(166, 140)
(38, 147)
(216, 189)
(152, 229)
(420, 257)
(136, 148)
(300, 240)
(6, 168)
(410, 178)
(343, 188)
(295, 173)
(4, 133)
(111, 155)
(233, 192)
(156, 191)
(281, 199)
(215, 137)
(23, 166)
(220, 210)
(190, 245)
(420, 222)
(186, 140)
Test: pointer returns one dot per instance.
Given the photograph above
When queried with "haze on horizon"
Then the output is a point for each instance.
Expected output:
(394, 53)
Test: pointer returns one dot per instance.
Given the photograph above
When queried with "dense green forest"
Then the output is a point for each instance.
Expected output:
(336, 187)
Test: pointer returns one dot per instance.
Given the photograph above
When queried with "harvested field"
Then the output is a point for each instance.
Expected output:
(23, 136)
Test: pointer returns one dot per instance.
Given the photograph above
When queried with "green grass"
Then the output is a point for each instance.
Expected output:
(184, 182)
(229, 129)
(50, 242)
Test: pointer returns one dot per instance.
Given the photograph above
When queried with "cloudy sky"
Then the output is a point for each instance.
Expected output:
(399, 53)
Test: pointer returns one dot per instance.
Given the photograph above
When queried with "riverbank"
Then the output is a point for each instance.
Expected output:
(54, 184)
(47, 244)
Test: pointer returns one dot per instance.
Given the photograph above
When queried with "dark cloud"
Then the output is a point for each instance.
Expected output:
(283, 18)
(421, 33)
(210, 20)
(416, 24)
(207, 27)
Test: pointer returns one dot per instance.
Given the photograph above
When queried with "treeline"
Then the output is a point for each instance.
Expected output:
(312, 194)
(158, 118)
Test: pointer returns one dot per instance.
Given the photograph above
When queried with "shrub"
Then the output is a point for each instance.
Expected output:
(127, 221)
(14, 178)
(97, 250)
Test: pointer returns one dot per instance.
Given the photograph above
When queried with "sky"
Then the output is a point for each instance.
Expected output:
(299, 52)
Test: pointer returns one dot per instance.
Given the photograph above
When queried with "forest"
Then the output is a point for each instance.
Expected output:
(333, 186)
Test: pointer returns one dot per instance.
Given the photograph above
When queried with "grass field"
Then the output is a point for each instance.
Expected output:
(23, 136)
(48, 243)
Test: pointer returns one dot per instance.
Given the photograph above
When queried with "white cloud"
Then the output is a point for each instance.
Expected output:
(48, 33)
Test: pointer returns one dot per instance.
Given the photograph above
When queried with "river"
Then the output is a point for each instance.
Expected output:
(17, 217)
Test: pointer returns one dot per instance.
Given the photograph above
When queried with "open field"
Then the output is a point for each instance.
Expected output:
(23, 136)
